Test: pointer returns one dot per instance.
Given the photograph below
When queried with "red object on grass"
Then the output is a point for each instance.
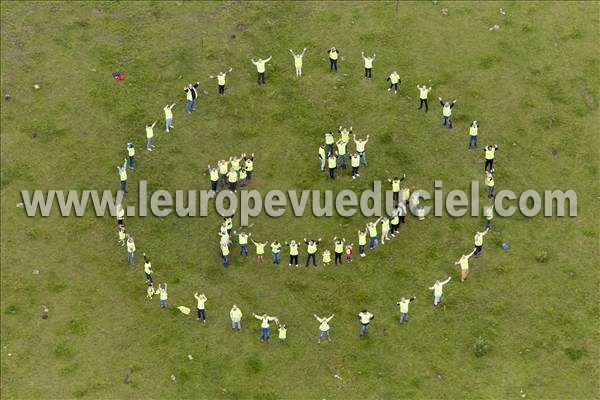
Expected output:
(120, 77)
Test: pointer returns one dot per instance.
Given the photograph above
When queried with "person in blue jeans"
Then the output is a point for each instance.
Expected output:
(265, 330)
(311, 249)
(123, 175)
(473, 128)
(191, 95)
(131, 155)
(447, 112)
(365, 318)
(276, 252)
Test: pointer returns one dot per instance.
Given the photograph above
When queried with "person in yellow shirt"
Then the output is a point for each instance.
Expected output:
(150, 136)
(130, 250)
(423, 93)
(282, 333)
(365, 318)
(362, 242)
(148, 269)
(324, 327)
(463, 261)
(341, 154)
(438, 291)
(311, 250)
(338, 249)
(213, 172)
(322, 157)
(201, 298)
(368, 64)
(447, 112)
(225, 253)
(150, 291)
(249, 165)
(345, 134)
(276, 252)
(131, 155)
(122, 236)
(329, 143)
(396, 187)
(333, 58)
(123, 175)
(473, 131)
(372, 228)
(221, 80)
(479, 242)
(168, 109)
(163, 295)
(394, 80)
(355, 163)
(260, 69)
(298, 62)
(294, 246)
(489, 181)
(265, 330)
(332, 165)
(236, 318)
(490, 152)
(232, 177)
(360, 148)
(243, 241)
(326, 258)
(223, 166)
(120, 214)
(260, 251)
(191, 94)
(403, 304)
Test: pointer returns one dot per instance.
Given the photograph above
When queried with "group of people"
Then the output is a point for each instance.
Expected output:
(334, 155)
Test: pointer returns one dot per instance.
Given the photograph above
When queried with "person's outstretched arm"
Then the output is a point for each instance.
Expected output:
(303, 51)
(447, 280)
(268, 59)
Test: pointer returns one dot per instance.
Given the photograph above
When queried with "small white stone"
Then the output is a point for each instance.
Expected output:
(36, 86)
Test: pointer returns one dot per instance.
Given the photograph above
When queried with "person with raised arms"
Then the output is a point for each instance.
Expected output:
(298, 62)
(490, 153)
(368, 64)
(293, 245)
(447, 112)
(148, 269)
(282, 329)
(332, 165)
(396, 187)
(355, 164)
(463, 261)
(131, 155)
(201, 298)
(403, 304)
(438, 291)
(338, 249)
(243, 242)
(168, 109)
(225, 253)
(324, 327)
(423, 94)
(473, 131)
(329, 142)
(150, 136)
(489, 182)
(122, 235)
(260, 251)
(362, 242)
(213, 172)
(221, 80)
(311, 250)
(479, 242)
(326, 257)
(163, 295)
(360, 148)
(365, 318)
(265, 330)
(276, 252)
(123, 175)
(223, 166)
(385, 229)
(260, 69)
(191, 94)
(341, 153)
(344, 134)
(249, 166)
(372, 228)
(232, 178)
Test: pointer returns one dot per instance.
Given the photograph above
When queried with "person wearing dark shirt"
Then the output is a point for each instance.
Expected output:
(191, 95)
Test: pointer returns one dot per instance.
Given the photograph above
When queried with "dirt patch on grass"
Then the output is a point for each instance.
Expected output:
(588, 99)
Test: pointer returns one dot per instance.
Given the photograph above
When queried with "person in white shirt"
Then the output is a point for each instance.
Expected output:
(265, 330)
(163, 295)
(236, 318)
(201, 307)
(438, 291)
(298, 62)
(324, 327)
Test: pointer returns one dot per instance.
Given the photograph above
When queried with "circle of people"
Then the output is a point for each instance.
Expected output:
(239, 169)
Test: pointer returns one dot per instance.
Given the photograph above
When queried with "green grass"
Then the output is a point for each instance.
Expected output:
(533, 85)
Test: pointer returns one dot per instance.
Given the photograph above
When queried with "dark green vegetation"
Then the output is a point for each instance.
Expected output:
(533, 85)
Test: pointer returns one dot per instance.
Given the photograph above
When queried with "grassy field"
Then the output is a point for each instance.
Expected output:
(533, 85)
